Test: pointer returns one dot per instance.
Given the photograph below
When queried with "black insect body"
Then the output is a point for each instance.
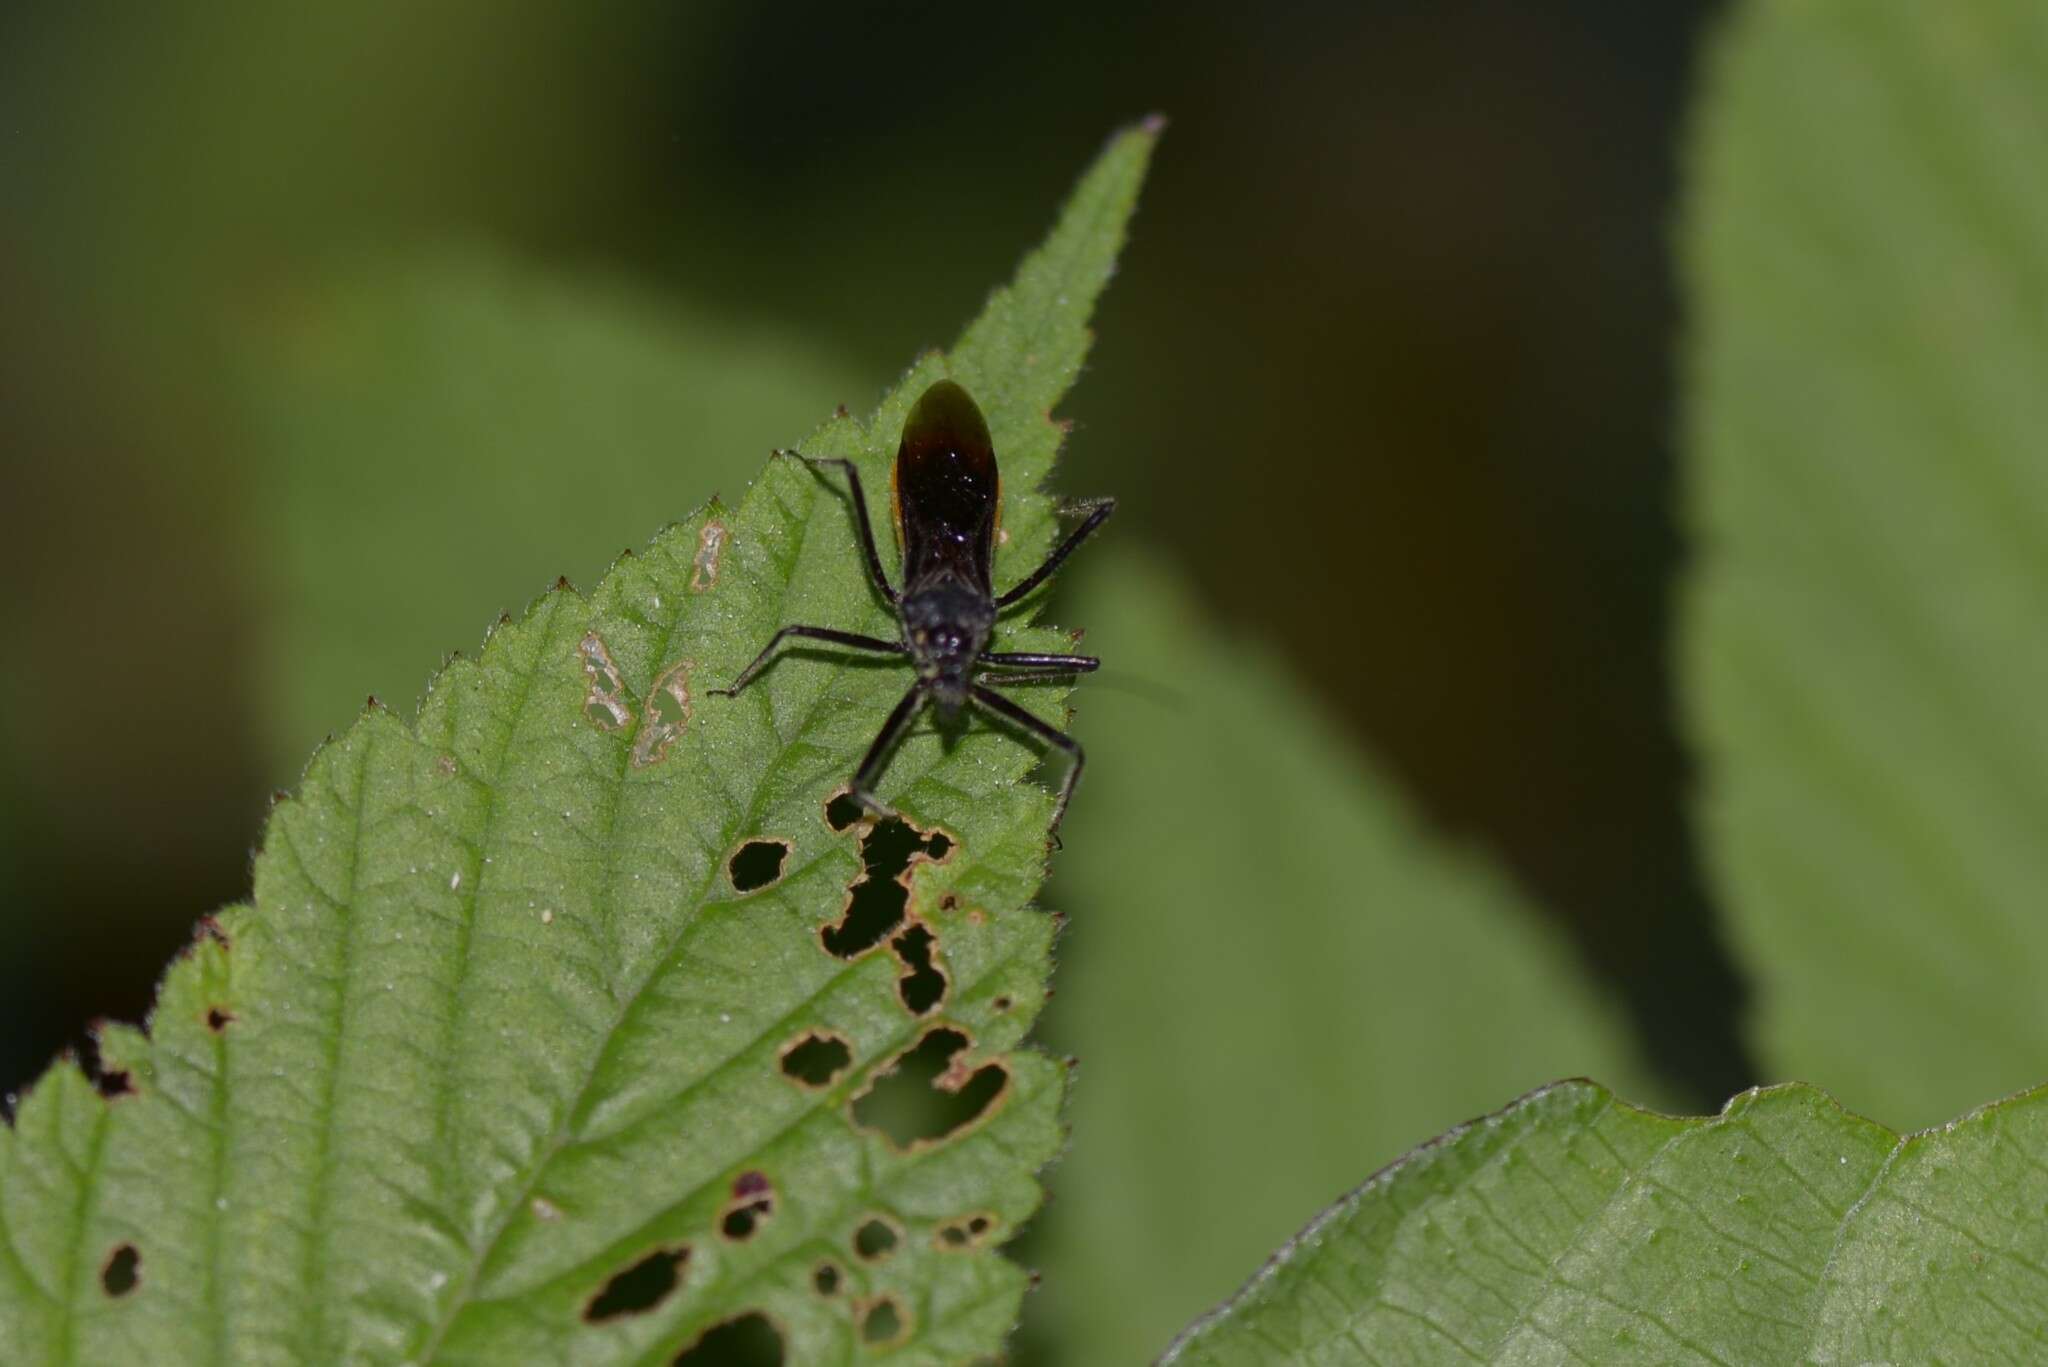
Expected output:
(948, 499)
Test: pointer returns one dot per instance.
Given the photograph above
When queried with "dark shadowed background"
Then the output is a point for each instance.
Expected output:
(1388, 368)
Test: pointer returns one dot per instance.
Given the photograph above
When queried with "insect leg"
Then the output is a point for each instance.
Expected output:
(860, 517)
(1040, 664)
(852, 640)
(877, 757)
(1097, 515)
(1047, 732)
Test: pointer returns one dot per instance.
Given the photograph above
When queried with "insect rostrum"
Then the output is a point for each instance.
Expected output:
(948, 497)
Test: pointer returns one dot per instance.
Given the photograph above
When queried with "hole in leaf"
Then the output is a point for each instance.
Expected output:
(757, 864)
(218, 1018)
(961, 1234)
(875, 902)
(825, 1278)
(938, 847)
(667, 714)
(740, 1221)
(924, 1096)
(882, 1323)
(841, 811)
(122, 1271)
(749, 1340)
(114, 1082)
(640, 1287)
(922, 986)
(876, 1238)
(604, 700)
(815, 1059)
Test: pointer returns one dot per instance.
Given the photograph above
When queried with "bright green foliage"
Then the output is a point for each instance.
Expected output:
(1867, 643)
(403, 407)
(1573, 1228)
(1276, 979)
(497, 1027)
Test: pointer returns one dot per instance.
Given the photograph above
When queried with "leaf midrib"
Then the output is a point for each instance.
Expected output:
(462, 1298)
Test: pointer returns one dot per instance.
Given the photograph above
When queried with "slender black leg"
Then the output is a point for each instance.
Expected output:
(860, 516)
(1051, 735)
(1043, 664)
(1097, 515)
(849, 639)
(877, 757)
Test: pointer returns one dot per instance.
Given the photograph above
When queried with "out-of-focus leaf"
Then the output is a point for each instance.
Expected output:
(1572, 1227)
(1279, 978)
(501, 1066)
(1867, 636)
(435, 437)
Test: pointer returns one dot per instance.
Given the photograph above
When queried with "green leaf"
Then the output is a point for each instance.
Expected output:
(1867, 253)
(492, 1069)
(400, 404)
(1274, 975)
(1571, 1227)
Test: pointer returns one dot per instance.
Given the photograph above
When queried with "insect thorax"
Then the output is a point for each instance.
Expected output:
(946, 625)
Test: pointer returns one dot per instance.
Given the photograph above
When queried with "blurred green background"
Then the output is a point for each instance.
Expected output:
(327, 335)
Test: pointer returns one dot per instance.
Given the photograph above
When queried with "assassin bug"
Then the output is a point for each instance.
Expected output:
(948, 499)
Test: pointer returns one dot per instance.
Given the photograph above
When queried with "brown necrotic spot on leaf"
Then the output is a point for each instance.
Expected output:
(875, 901)
(756, 864)
(667, 715)
(218, 1018)
(710, 548)
(604, 700)
(883, 1322)
(114, 1082)
(928, 1093)
(639, 1288)
(923, 984)
(876, 1238)
(1000, 1005)
(816, 1058)
(749, 1340)
(825, 1279)
(753, 1200)
(122, 1271)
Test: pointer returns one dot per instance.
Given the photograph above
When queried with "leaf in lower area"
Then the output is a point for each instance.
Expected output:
(1275, 976)
(1572, 1227)
(495, 1068)
(1866, 645)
